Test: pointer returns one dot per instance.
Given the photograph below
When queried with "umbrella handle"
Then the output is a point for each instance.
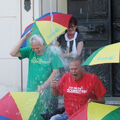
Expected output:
(51, 16)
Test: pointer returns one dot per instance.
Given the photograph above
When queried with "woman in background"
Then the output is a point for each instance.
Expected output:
(71, 42)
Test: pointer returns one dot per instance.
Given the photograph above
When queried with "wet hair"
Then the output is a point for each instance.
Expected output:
(76, 59)
(37, 38)
(73, 20)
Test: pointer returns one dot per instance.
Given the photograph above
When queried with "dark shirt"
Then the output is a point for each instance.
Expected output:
(63, 42)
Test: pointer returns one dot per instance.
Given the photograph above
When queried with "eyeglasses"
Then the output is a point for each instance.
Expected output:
(71, 26)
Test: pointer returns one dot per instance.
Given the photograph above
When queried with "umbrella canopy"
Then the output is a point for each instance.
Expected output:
(96, 111)
(107, 54)
(48, 26)
(20, 106)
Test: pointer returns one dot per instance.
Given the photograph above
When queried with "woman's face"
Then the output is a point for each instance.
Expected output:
(71, 29)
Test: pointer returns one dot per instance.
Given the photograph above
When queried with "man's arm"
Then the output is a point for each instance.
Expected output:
(52, 77)
(15, 52)
(100, 100)
(54, 88)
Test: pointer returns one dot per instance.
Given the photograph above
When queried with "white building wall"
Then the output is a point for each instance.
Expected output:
(13, 20)
(10, 68)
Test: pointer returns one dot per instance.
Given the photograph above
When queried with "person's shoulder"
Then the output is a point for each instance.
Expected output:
(60, 37)
(26, 48)
(48, 51)
(80, 37)
(51, 49)
(67, 74)
(90, 76)
(29, 47)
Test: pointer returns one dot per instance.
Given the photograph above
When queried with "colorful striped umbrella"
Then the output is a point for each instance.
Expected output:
(107, 54)
(49, 26)
(20, 106)
(96, 111)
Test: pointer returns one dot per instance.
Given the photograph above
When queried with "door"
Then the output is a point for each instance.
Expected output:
(94, 21)
(116, 38)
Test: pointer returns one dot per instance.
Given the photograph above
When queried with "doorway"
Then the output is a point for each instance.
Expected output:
(99, 24)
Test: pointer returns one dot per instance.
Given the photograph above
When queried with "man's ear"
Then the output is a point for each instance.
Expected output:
(44, 45)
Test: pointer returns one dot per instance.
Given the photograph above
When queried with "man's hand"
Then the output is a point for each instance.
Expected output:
(54, 84)
(100, 100)
(54, 88)
(90, 101)
(15, 51)
(27, 35)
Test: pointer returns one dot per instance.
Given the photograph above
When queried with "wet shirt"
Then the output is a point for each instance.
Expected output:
(40, 67)
(77, 94)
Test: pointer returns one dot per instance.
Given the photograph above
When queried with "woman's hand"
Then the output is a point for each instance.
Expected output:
(67, 55)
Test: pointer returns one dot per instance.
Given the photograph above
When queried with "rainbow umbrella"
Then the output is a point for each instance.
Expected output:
(107, 54)
(96, 111)
(49, 26)
(20, 106)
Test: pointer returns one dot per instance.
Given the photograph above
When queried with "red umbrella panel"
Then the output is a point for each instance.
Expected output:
(20, 106)
(9, 111)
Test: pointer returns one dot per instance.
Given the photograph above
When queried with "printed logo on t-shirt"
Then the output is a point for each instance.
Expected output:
(39, 61)
(78, 90)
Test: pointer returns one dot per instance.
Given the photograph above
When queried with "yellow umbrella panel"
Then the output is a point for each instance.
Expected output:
(106, 54)
(50, 30)
(97, 111)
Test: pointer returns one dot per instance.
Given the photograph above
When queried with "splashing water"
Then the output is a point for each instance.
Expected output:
(55, 49)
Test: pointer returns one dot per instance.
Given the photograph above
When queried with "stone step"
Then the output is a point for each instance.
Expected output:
(112, 101)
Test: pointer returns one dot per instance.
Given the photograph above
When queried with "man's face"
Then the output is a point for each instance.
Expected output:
(75, 70)
(38, 48)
